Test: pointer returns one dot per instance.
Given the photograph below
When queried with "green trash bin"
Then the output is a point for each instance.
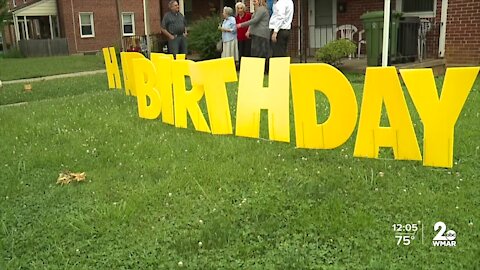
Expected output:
(373, 25)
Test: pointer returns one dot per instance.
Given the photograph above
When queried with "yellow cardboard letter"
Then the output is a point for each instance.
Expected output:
(163, 66)
(148, 98)
(308, 78)
(187, 101)
(252, 97)
(127, 68)
(383, 85)
(212, 75)
(111, 65)
(439, 115)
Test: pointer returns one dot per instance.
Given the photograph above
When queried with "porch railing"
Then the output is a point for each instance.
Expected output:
(415, 40)
(43, 47)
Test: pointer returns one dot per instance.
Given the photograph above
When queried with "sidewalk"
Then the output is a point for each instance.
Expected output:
(53, 77)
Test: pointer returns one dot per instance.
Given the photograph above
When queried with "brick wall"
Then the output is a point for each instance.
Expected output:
(106, 23)
(462, 44)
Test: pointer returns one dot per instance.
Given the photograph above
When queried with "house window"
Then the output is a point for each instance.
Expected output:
(86, 24)
(128, 22)
(323, 13)
(422, 8)
(187, 10)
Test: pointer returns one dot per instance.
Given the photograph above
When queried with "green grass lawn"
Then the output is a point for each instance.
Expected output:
(21, 68)
(156, 196)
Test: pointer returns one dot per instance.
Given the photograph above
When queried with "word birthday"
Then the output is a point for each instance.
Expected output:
(160, 88)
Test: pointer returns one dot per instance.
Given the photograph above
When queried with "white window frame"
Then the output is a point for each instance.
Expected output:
(91, 23)
(133, 24)
(14, 2)
(425, 14)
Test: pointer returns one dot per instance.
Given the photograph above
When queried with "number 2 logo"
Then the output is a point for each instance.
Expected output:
(451, 235)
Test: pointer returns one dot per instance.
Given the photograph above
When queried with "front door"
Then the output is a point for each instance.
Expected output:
(322, 20)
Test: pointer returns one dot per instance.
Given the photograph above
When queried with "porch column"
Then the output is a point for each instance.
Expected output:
(51, 26)
(25, 26)
(17, 29)
(58, 26)
(386, 33)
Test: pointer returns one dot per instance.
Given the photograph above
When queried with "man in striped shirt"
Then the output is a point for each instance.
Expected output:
(174, 27)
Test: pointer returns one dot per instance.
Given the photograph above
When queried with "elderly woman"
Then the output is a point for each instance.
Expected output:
(258, 30)
(229, 34)
(243, 41)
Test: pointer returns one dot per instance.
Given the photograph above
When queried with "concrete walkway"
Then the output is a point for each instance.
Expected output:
(53, 77)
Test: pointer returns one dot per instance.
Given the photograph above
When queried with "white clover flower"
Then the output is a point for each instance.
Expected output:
(381, 174)
(180, 264)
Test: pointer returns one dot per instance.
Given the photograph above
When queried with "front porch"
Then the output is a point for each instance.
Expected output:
(417, 36)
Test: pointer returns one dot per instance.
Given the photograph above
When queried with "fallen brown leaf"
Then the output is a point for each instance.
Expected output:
(65, 178)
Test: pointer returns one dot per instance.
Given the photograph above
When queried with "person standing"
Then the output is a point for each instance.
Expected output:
(270, 6)
(258, 30)
(243, 40)
(174, 27)
(280, 24)
(229, 34)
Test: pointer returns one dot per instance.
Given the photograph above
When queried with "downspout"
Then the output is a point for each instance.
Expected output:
(119, 17)
(306, 34)
(146, 21)
(299, 23)
(74, 32)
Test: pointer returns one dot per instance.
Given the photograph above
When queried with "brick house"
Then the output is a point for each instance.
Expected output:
(89, 25)
(452, 30)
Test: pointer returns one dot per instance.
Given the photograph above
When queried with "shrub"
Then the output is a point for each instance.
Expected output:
(13, 52)
(203, 37)
(333, 52)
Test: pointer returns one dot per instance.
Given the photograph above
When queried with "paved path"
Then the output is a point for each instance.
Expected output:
(68, 75)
